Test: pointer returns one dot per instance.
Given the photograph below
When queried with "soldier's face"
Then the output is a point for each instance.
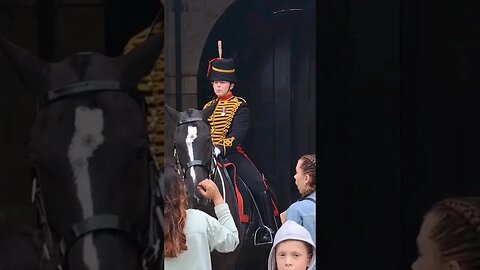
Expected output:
(222, 88)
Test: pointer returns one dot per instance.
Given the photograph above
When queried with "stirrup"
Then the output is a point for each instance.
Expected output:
(264, 231)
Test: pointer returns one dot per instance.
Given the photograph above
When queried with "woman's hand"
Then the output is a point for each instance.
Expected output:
(209, 190)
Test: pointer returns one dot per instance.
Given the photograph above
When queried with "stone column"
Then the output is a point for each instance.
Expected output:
(197, 19)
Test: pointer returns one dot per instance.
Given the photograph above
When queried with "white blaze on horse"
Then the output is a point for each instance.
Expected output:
(189, 147)
(87, 137)
(96, 192)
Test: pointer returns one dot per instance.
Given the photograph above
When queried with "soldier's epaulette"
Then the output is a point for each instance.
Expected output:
(242, 99)
(209, 103)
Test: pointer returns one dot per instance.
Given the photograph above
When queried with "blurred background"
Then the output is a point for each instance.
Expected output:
(397, 123)
(53, 30)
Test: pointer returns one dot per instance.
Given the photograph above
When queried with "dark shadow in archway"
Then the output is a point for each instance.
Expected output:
(273, 43)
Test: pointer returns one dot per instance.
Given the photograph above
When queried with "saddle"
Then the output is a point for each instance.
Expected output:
(232, 171)
(245, 199)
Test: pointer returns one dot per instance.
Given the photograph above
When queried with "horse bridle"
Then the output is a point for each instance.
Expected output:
(101, 221)
(182, 170)
(88, 87)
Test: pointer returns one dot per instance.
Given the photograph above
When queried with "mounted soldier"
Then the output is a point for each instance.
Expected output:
(229, 125)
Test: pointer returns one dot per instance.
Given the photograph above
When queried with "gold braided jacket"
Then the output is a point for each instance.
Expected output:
(221, 122)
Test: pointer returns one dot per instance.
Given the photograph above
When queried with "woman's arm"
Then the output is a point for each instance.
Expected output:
(294, 214)
(222, 233)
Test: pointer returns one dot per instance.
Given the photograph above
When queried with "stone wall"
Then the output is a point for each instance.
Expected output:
(197, 20)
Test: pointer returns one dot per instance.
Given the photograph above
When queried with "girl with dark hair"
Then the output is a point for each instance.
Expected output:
(303, 211)
(449, 237)
(190, 234)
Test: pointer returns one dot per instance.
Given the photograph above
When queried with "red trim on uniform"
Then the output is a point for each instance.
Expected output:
(226, 97)
(243, 218)
(240, 150)
(275, 208)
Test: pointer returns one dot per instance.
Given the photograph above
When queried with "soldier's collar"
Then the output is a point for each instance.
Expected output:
(226, 97)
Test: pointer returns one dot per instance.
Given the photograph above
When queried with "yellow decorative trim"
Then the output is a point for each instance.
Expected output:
(152, 88)
(220, 124)
(228, 142)
(242, 99)
(208, 104)
(223, 70)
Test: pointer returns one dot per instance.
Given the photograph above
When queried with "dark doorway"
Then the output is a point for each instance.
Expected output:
(273, 44)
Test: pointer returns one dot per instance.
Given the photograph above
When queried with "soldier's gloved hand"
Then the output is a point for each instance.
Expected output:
(218, 150)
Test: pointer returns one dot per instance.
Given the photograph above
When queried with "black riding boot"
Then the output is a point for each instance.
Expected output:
(264, 235)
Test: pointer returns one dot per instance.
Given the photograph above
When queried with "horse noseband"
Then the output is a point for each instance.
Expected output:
(196, 162)
(88, 86)
(99, 222)
(190, 120)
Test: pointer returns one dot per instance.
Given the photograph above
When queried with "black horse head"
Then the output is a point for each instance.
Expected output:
(193, 147)
(89, 148)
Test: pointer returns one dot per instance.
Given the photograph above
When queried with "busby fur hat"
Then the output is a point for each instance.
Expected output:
(221, 69)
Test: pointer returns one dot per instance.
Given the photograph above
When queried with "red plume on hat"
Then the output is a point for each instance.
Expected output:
(209, 70)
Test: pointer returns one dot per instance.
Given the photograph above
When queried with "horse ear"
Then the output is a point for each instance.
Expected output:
(208, 111)
(31, 69)
(172, 114)
(171, 120)
(140, 61)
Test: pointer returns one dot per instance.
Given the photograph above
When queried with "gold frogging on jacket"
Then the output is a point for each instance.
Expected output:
(221, 120)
